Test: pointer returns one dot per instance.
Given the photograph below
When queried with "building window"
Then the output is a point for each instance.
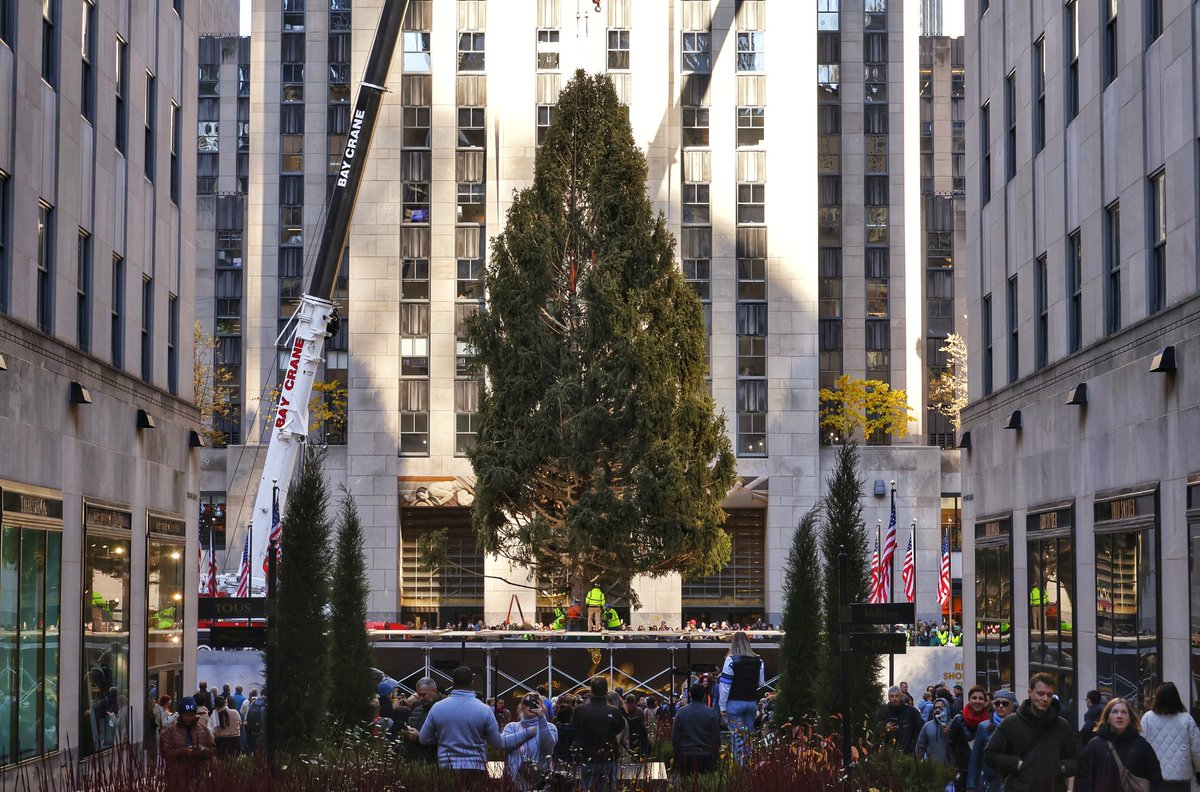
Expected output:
(45, 267)
(985, 149)
(87, 51)
(470, 52)
(752, 418)
(1014, 319)
(877, 298)
(416, 52)
(176, 143)
(697, 52)
(291, 153)
(291, 87)
(1154, 21)
(83, 291)
(737, 591)
(147, 328)
(471, 130)
(414, 417)
(151, 103)
(173, 344)
(1051, 563)
(695, 127)
(618, 49)
(49, 42)
(545, 116)
(291, 225)
(1041, 300)
(5, 245)
(208, 138)
(751, 126)
(1128, 596)
(31, 604)
(107, 612)
(988, 356)
(1071, 25)
(293, 16)
(466, 415)
(752, 278)
(164, 605)
(414, 339)
(1039, 94)
(1074, 291)
(1010, 120)
(470, 279)
(6, 21)
(1112, 268)
(751, 51)
(547, 50)
(1156, 216)
(470, 202)
(698, 274)
(464, 354)
(122, 84)
(117, 319)
(416, 202)
(696, 204)
(1111, 53)
(827, 15)
(210, 81)
(993, 604)
(751, 203)
(414, 279)
(416, 128)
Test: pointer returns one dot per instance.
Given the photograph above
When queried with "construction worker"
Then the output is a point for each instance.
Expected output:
(560, 619)
(595, 605)
(1037, 600)
(611, 620)
(574, 614)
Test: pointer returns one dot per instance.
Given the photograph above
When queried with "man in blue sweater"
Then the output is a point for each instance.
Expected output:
(462, 727)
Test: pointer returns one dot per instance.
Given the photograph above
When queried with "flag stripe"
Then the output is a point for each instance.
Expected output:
(944, 577)
(909, 572)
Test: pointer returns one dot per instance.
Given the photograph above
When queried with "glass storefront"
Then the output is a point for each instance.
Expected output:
(165, 551)
(30, 611)
(104, 695)
(993, 603)
(1050, 535)
(1127, 596)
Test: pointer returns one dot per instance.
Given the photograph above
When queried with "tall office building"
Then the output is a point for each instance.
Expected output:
(98, 475)
(1083, 476)
(788, 204)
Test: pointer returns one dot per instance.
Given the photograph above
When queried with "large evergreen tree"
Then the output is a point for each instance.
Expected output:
(844, 529)
(599, 454)
(350, 653)
(300, 695)
(803, 644)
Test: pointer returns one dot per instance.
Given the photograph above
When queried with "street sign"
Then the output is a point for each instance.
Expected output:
(231, 608)
(875, 643)
(883, 613)
(237, 637)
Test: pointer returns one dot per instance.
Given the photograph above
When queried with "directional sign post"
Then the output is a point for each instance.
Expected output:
(874, 643)
(860, 613)
(231, 608)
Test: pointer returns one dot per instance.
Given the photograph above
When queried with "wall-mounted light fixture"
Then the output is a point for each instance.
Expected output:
(965, 441)
(880, 488)
(145, 420)
(3, 364)
(80, 394)
(1164, 359)
(196, 440)
(1078, 395)
(1013, 421)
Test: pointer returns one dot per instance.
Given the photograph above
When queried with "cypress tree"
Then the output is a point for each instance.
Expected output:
(301, 693)
(844, 529)
(803, 643)
(350, 650)
(599, 454)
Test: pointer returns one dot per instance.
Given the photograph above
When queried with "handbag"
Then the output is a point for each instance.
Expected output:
(1129, 782)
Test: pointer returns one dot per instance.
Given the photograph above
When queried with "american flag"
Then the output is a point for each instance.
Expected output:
(874, 597)
(908, 573)
(889, 553)
(944, 578)
(276, 535)
(203, 572)
(243, 589)
(212, 566)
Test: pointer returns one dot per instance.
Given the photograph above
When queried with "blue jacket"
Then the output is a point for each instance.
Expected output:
(462, 726)
(537, 751)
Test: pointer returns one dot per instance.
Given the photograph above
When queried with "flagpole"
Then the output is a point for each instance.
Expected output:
(891, 564)
(912, 540)
(950, 583)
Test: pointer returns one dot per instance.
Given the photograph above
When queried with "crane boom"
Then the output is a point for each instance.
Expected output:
(316, 318)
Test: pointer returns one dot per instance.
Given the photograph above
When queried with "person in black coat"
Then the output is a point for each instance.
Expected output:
(1117, 731)
(1095, 706)
(899, 724)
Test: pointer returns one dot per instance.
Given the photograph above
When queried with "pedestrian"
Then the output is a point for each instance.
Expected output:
(742, 677)
(427, 696)
(204, 696)
(696, 736)
(638, 738)
(186, 743)
(1034, 748)
(597, 728)
(462, 727)
(256, 719)
(1174, 737)
(1118, 744)
(931, 742)
(956, 705)
(1095, 705)
(237, 699)
(899, 724)
(529, 763)
(595, 605)
(503, 716)
(163, 716)
(969, 727)
(226, 726)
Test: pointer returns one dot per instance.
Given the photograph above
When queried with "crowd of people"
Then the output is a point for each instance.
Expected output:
(993, 742)
(207, 724)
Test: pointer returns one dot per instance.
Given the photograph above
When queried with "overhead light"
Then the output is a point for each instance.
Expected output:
(965, 440)
(3, 364)
(880, 488)
(1164, 359)
(196, 440)
(145, 420)
(177, 596)
(175, 556)
(1013, 421)
(1078, 395)
(80, 394)
(119, 550)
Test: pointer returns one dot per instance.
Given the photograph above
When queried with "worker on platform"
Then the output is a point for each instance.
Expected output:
(560, 618)
(595, 605)
(611, 620)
